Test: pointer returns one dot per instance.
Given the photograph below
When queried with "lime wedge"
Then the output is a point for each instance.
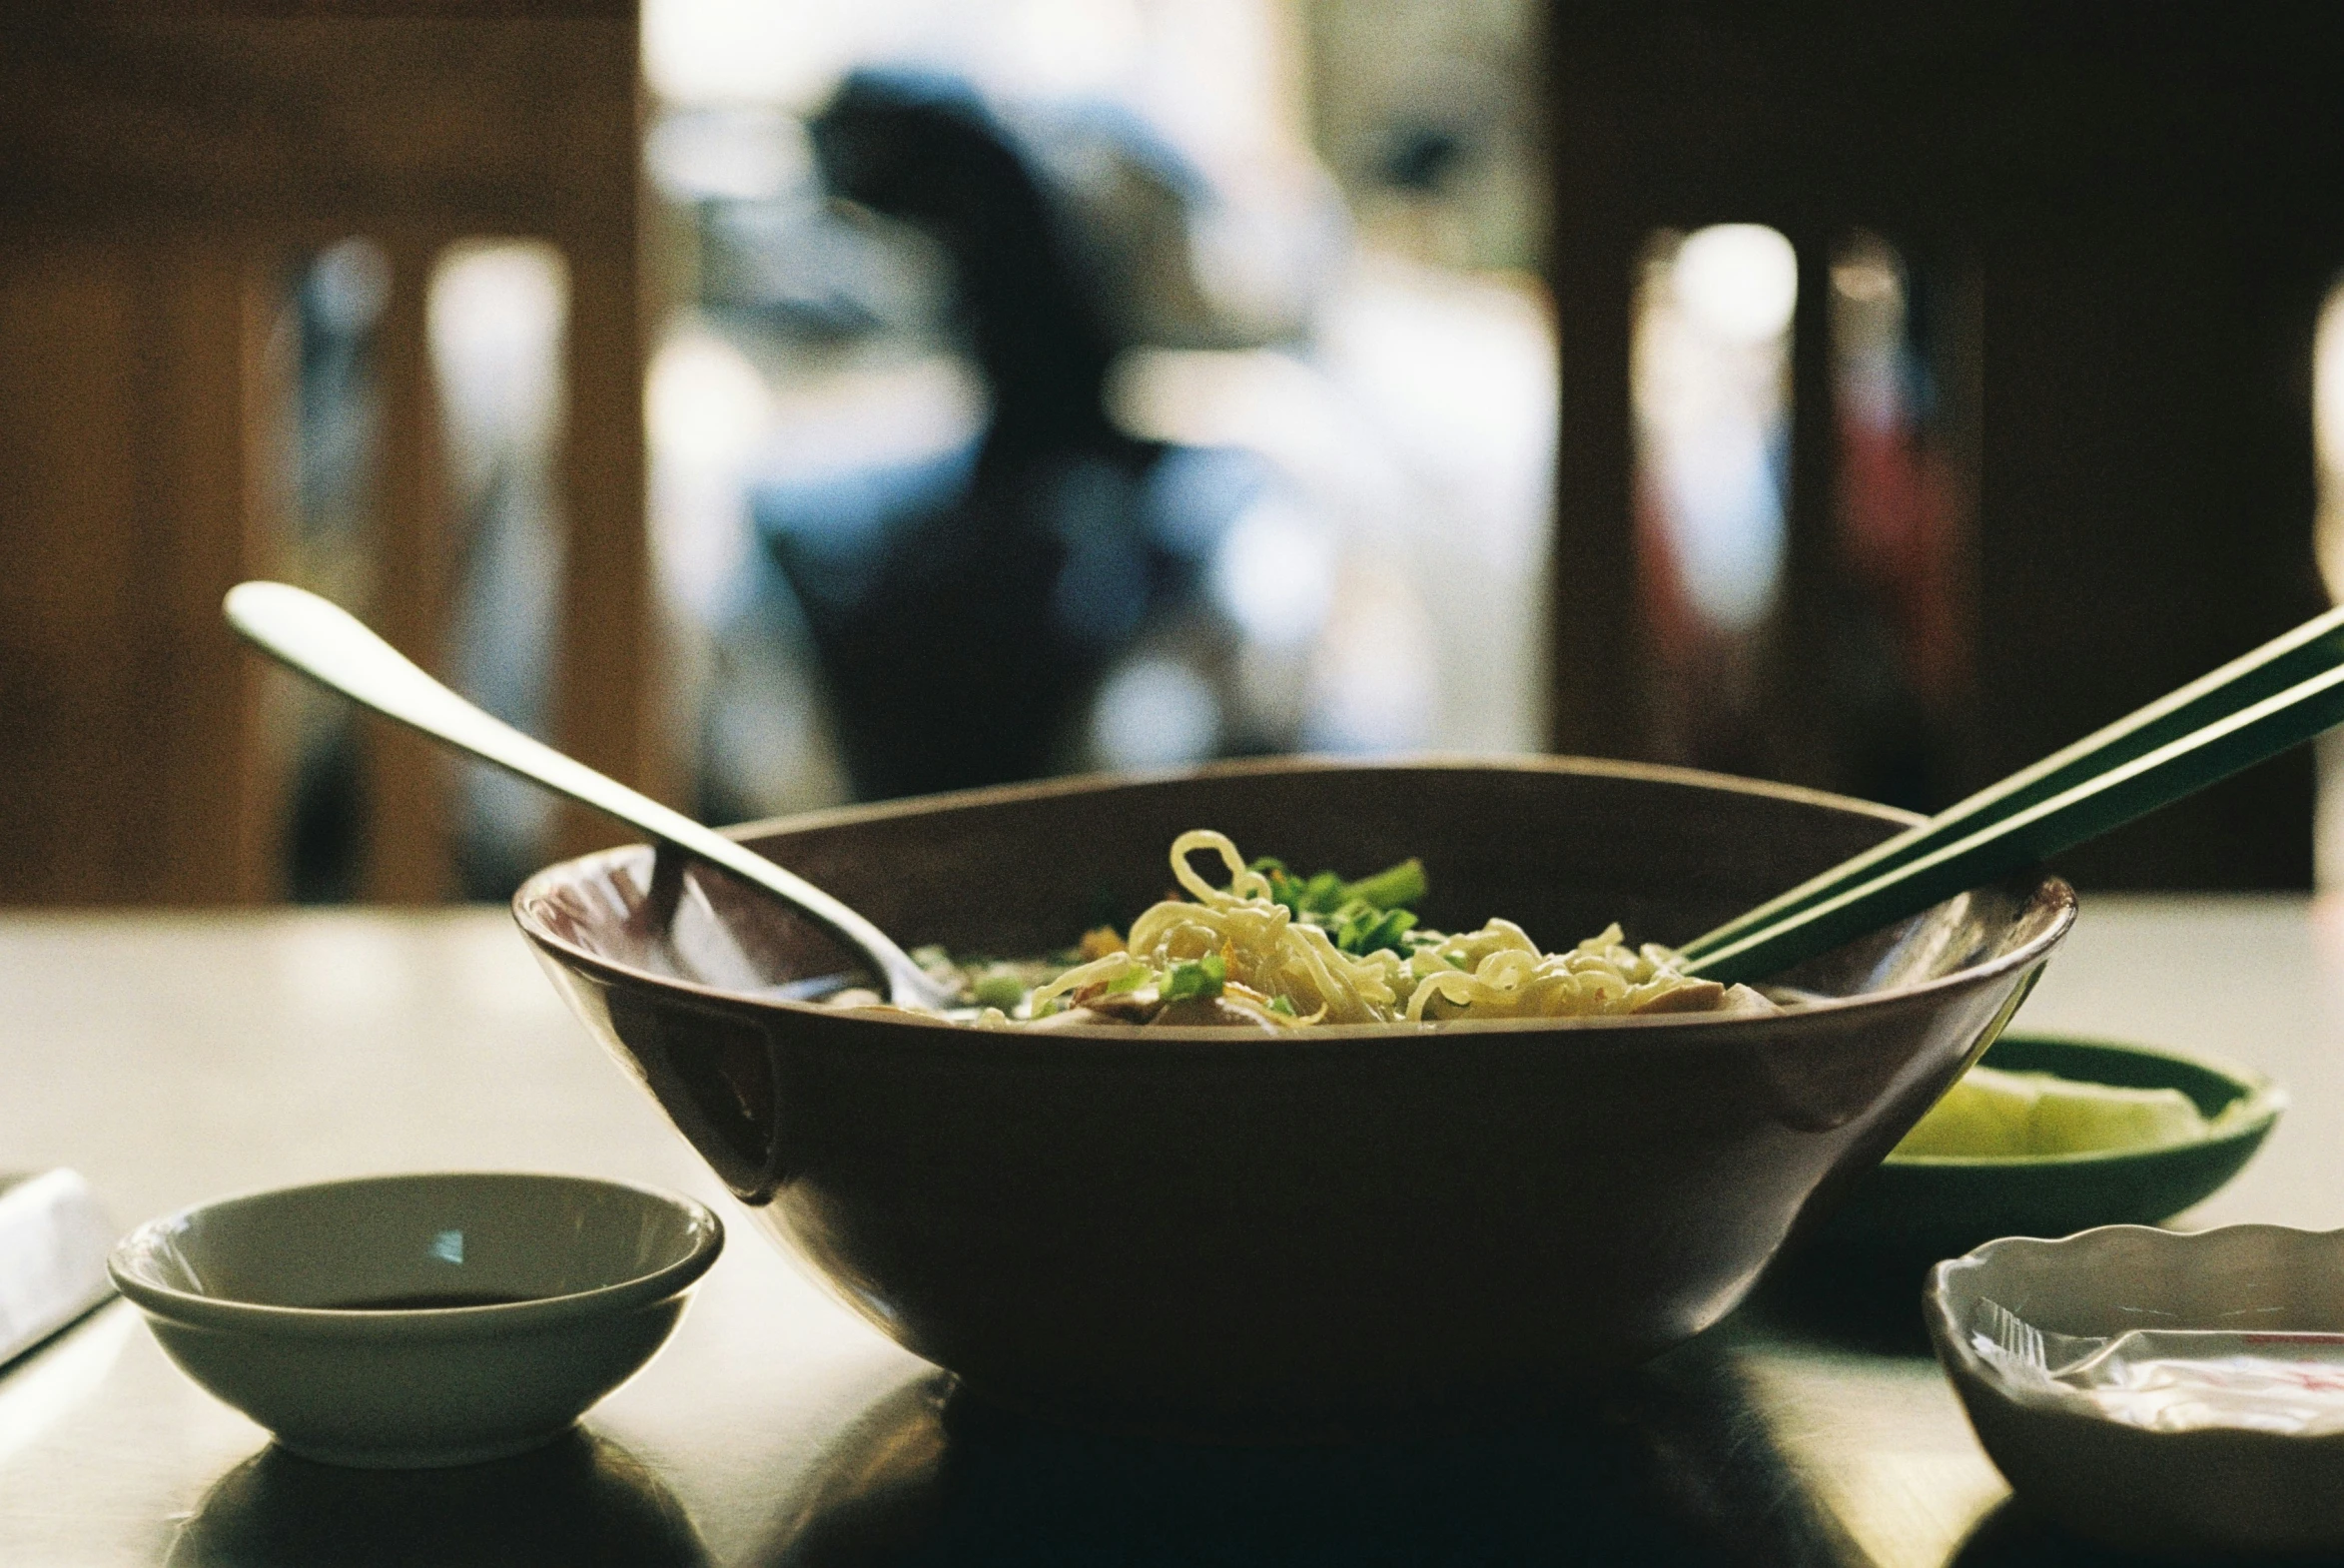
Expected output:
(2082, 1119)
(1996, 1115)
(1985, 1113)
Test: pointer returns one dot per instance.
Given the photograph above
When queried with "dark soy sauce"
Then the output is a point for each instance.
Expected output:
(426, 1301)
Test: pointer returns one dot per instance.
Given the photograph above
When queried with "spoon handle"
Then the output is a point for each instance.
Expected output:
(334, 648)
(2102, 802)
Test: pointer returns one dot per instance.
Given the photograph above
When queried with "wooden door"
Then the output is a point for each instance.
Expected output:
(156, 177)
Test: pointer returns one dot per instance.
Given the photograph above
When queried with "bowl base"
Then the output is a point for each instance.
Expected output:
(433, 1456)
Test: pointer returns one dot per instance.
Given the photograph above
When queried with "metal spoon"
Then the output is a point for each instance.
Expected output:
(334, 648)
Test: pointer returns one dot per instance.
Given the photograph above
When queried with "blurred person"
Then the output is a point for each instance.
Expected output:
(964, 607)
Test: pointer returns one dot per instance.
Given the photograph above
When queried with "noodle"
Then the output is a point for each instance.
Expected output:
(1252, 952)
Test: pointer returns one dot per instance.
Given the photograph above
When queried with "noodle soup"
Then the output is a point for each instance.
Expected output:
(1275, 951)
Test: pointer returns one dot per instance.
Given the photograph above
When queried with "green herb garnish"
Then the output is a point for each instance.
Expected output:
(1203, 978)
(998, 988)
(1395, 887)
(1325, 899)
(1361, 927)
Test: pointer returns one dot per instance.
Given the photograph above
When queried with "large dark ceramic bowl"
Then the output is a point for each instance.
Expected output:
(1219, 1233)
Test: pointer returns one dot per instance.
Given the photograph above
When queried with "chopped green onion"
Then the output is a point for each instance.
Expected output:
(1366, 928)
(1322, 894)
(1203, 978)
(1391, 888)
(1283, 888)
(998, 988)
(1281, 1005)
(1326, 899)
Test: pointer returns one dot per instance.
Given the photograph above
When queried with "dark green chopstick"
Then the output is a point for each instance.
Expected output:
(2106, 801)
(2277, 666)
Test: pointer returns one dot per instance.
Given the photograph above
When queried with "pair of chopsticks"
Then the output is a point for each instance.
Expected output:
(2280, 695)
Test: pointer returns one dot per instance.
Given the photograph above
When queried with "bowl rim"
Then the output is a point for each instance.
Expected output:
(2258, 1092)
(705, 1233)
(1187, 1038)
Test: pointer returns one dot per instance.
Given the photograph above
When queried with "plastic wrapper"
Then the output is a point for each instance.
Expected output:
(2177, 1379)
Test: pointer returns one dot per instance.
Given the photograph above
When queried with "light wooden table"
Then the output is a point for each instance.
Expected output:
(173, 1059)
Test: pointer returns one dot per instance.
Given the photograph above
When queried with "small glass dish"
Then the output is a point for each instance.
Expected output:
(408, 1322)
(2171, 1393)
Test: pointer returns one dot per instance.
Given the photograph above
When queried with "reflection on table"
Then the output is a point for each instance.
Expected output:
(173, 1059)
(584, 1500)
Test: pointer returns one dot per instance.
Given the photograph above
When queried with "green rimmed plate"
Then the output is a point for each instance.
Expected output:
(1949, 1205)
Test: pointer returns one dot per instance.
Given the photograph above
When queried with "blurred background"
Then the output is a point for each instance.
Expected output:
(782, 402)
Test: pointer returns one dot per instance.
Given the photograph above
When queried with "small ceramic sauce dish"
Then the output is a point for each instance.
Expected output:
(2176, 1394)
(419, 1321)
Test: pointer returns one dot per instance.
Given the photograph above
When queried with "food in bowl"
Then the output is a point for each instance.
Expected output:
(1942, 1205)
(1218, 1232)
(1275, 951)
(1994, 1113)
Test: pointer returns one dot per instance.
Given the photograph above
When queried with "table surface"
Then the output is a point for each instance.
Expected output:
(173, 1059)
